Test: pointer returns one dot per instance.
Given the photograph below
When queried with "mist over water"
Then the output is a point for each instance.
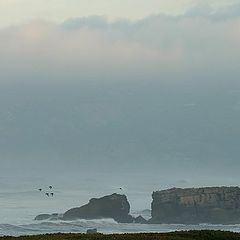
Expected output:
(88, 139)
(133, 134)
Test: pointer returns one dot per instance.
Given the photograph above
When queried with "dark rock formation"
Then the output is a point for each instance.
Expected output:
(92, 231)
(217, 205)
(42, 217)
(140, 219)
(50, 217)
(114, 206)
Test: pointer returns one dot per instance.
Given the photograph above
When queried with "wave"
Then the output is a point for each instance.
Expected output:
(81, 223)
(42, 227)
(106, 226)
(13, 230)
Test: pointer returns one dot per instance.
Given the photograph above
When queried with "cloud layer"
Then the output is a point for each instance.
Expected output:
(157, 45)
(15, 12)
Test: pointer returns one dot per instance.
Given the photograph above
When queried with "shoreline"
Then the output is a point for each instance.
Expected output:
(178, 235)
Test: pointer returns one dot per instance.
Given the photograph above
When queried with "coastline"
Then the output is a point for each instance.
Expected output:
(181, 235)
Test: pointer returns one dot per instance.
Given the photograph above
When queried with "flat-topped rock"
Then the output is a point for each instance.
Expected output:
(219, 205)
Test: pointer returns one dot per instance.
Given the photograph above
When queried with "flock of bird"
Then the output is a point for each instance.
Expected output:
(49, 192)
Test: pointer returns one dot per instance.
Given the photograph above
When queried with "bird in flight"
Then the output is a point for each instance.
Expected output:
(48, 193)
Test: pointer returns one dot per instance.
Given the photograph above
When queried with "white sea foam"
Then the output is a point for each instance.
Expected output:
(106, 226)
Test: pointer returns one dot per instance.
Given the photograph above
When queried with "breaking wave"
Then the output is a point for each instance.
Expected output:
(79, 226)
(106, 226)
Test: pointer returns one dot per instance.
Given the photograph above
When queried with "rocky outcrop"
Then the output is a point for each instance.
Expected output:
(114, 206)
(92, 231)
(140, 220)
(50, 217)
(41, 217)
(217, 205)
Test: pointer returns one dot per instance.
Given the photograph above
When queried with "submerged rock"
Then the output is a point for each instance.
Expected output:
(50, 217)
(216, 205)
(41, 217)
(114, 206)
(141, 220)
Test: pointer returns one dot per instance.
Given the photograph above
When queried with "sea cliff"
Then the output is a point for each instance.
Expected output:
(216, 205)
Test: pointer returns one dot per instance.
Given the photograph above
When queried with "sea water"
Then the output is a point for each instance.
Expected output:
(21, 202)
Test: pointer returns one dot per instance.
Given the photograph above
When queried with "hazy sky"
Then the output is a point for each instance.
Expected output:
(18, 11)
(155, 99)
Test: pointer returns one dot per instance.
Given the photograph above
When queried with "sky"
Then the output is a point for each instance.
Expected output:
(18, 11)
(140, 92)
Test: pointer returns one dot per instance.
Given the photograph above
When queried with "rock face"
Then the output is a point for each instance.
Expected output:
(219, 205)
(114, 206)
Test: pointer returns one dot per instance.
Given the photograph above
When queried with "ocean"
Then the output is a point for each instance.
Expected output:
(18, 208)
